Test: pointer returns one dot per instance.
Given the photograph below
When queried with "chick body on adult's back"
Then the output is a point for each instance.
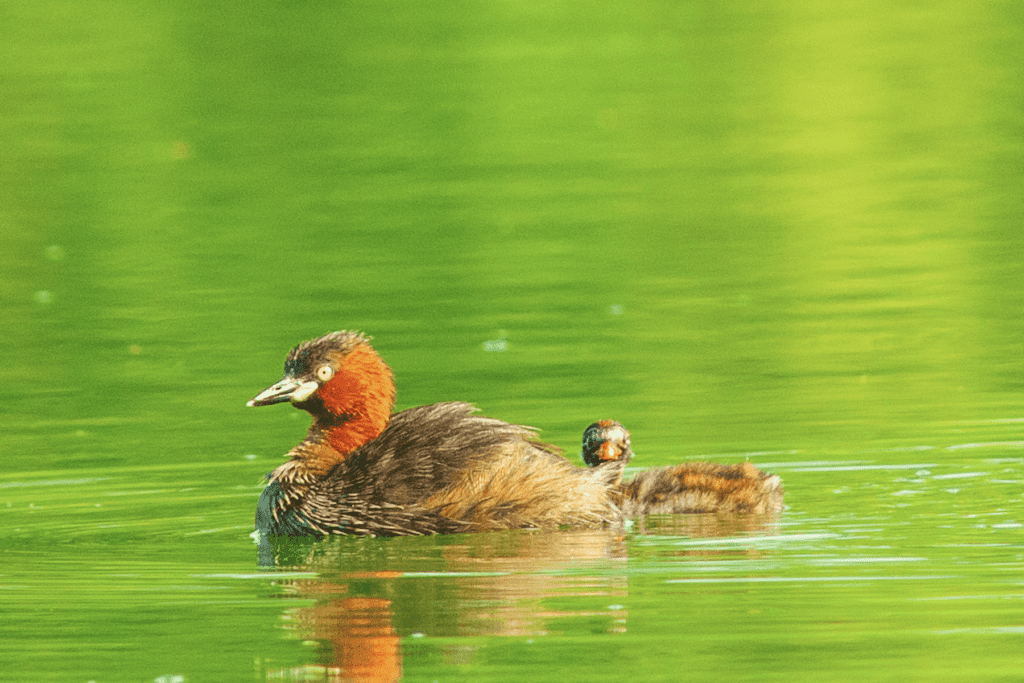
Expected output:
(692, 487)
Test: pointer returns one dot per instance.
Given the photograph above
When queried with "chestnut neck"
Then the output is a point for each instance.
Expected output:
(350, 410)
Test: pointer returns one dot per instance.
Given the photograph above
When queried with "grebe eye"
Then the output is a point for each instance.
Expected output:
(324, 373)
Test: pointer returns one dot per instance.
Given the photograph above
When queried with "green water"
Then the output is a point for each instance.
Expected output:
(789, 233)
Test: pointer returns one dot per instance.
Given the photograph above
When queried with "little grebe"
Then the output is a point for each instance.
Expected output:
(431, 469)
(690, 487)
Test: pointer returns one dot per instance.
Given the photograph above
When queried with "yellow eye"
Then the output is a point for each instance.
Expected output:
(324, 373)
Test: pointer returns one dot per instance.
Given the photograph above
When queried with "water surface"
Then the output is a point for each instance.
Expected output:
(784, 233)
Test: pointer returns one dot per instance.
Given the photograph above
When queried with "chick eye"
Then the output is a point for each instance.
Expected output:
(324, 373)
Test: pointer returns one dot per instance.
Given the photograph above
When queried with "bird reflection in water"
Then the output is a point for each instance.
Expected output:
(491, 584)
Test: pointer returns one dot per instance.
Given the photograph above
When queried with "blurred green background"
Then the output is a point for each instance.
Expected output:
(735, 227)
(775, 223)
(806, 216)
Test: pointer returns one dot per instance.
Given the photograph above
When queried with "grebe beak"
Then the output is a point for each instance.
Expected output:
(288, 389)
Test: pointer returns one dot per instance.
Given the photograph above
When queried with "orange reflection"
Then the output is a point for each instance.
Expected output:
(365, 646)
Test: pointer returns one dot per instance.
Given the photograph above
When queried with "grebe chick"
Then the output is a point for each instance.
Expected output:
(688, 488)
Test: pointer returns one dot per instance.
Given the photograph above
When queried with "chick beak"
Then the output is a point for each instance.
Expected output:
(288, 389)
(607, 451)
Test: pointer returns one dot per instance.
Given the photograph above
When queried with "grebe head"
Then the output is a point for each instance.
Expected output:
(604, 441)
(338, 376)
